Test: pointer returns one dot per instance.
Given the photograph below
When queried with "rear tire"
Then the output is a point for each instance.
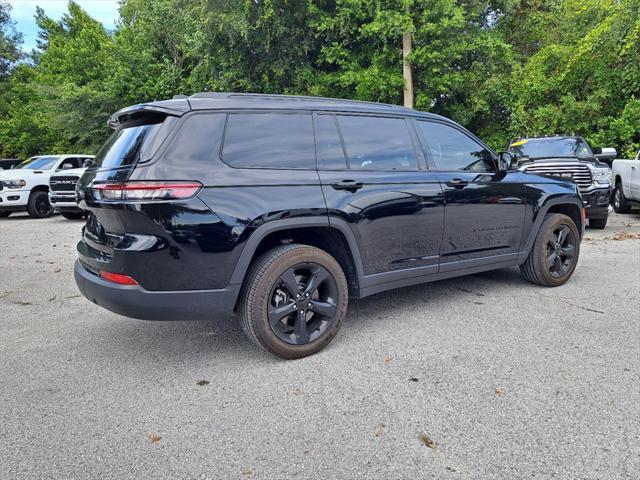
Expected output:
(72, 215)
(39, 206)
(4, 214)
(598, 223)
(620, 204)
(554, 255)
(294, 300)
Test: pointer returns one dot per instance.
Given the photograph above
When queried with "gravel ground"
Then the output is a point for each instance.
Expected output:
(480, 377)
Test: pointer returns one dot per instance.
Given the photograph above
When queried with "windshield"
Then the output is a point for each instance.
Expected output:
(126, 146)
(551, 147)
(38, 163)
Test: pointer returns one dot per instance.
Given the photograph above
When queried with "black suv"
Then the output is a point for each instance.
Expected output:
(569, 156)
(283, 207)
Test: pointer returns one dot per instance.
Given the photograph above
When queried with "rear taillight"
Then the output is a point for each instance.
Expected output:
(118, 278)
(145, 191)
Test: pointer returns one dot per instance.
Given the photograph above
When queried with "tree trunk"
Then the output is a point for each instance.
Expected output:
(406, 71)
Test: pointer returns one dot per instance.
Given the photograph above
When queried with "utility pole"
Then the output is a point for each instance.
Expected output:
(406, 70)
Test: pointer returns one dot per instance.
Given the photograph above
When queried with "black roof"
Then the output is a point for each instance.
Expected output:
(181, 104)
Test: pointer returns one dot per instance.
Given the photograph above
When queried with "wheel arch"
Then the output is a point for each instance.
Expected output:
(335, 237)
(570, 206)
(39, 188)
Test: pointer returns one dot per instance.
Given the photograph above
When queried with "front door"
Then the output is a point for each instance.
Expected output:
(484, 207)
(375, 179)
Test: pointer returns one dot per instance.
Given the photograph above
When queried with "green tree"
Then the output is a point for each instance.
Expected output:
(584, 75)
(10, 41)
(59, 103)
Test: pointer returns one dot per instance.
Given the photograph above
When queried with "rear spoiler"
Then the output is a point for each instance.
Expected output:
(123, 115)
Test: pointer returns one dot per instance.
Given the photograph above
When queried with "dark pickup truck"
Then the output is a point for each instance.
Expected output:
(570, 157)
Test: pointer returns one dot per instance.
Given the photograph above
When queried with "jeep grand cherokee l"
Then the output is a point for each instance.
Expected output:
(284, 207)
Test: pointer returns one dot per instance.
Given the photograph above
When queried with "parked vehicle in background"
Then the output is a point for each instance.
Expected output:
(626, 177)
(62, 192)
(26, 187)
(9, 163)
(572, 158)
(282, 207)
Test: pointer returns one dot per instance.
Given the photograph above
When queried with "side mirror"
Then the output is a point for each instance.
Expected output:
(606, 153)
(506, 161)
(66, 166)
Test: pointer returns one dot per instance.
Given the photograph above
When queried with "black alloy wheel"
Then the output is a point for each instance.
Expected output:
(294, 300)
(38, 205)
(302, 304)
(554, 255)
(561, 251)
(43, 207)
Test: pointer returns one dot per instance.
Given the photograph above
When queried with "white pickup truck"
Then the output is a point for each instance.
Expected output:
(26, 186)
(626, 177)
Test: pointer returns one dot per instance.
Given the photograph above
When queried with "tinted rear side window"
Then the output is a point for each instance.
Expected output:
(377, 143)
(127, 146)
(269, 140)
(328, 145)
(198, 139)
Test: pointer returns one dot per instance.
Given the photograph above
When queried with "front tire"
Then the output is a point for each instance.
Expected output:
(554, 255)
(39, 206)
(598, 223)
(620, 204)
(294, 300)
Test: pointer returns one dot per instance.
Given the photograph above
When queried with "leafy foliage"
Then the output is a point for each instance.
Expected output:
(502, 68)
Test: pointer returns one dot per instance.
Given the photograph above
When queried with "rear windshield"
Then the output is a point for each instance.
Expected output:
(551, 147)
(128, 145)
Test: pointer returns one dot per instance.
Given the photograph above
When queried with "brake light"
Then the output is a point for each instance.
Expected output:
(145, 191)
(118, 278)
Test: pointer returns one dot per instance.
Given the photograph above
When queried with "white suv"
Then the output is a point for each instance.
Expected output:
(26, 186)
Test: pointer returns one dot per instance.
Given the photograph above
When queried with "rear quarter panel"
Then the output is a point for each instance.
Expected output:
(234, 202)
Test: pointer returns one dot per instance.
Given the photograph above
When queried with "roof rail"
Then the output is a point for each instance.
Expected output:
(270, 96)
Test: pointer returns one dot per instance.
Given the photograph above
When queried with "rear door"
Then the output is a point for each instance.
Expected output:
(484, 208)
(375, 179)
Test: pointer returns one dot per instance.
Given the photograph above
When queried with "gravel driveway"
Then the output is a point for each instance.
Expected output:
(480, 377)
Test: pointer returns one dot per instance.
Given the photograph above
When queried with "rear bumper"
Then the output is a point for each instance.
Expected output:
(596, 203)
(136, 302)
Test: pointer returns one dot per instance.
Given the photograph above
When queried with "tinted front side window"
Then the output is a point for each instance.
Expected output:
(377, 143)
(269, 140)
(328, 145)
(453, 150)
